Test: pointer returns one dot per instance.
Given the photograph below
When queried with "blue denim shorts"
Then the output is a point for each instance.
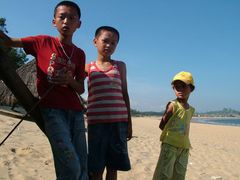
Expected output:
(107, 144)
(65, 130)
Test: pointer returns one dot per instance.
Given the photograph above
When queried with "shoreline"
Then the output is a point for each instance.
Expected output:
(20, 112)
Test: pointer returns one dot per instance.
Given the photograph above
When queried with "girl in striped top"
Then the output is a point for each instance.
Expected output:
(108, 109)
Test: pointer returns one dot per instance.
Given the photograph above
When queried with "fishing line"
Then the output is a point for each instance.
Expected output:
(28, 113)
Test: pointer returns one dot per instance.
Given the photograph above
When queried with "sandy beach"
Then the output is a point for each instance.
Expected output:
(26, 155)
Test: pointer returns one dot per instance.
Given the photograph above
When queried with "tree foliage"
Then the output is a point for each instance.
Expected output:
(16, 54)
(137, 113)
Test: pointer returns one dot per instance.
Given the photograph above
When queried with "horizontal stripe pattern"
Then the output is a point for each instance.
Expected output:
(105, 98)
(106, 103)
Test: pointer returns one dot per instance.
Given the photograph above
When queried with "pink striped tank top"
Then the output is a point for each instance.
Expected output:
(105, 98)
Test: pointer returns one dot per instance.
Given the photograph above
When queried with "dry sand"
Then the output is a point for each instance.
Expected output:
(26, 155)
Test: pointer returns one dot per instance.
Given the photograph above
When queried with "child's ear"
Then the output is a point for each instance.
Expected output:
(95, 42)
(54, 22)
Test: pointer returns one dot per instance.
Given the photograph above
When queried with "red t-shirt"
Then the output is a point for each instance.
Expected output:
(50, 56)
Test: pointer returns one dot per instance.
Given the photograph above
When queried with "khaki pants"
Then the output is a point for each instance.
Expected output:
(172, 163)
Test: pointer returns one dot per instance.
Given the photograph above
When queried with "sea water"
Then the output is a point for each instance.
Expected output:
(218, 121)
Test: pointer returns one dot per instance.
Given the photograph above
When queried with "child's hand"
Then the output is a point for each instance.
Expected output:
(62, 79)
(129, 135)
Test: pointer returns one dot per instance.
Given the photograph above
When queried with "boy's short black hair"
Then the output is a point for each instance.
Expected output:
(107, 28)
(68, 3)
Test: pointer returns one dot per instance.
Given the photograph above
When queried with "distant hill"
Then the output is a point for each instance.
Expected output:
(225, 112)
(137, 113)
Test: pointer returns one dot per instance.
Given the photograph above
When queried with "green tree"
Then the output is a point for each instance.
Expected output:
(16, 54)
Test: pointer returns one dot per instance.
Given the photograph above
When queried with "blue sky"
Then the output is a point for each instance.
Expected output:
(158, 39)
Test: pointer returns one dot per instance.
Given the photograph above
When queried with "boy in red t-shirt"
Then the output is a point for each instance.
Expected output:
(60, 66)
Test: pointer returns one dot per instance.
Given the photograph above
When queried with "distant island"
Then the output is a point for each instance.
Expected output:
(225, 112)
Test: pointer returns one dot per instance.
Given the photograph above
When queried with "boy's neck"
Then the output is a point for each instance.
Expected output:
(103, 59)
(66, 40)
(183, 102)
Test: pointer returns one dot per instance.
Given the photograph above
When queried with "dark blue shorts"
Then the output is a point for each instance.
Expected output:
(107, 145)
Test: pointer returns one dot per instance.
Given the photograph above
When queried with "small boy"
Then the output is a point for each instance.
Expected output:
(175, 124)
(60, 67)
(108, 109)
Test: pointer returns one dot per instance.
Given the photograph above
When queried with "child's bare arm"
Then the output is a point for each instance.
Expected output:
(166, 116)
(86, 68)
(10, 42)
(86, 71)
(123, 73)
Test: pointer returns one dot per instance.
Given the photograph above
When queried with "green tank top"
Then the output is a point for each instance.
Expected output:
(176, 131)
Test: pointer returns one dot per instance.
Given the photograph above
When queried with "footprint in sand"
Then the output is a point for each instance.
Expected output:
(21, 151)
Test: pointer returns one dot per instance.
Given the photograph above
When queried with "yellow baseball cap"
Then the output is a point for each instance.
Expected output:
(185, 77)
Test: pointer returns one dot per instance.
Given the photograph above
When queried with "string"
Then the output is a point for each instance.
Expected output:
(31, 110)
(69, 58)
